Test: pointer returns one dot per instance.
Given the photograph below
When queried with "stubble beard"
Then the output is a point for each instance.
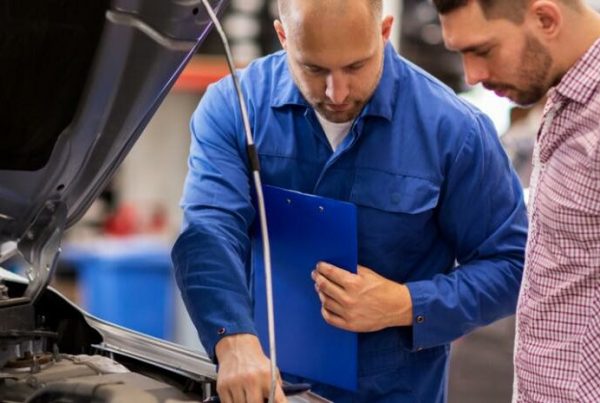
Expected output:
(536, 61)
(339, 117)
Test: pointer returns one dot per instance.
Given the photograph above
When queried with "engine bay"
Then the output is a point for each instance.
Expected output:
(49, 353)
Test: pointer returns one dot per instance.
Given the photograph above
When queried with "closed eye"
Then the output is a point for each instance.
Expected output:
(482, 52)
(355, 66)
(314, 69)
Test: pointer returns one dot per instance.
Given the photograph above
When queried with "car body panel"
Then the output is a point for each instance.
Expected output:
(80, 82)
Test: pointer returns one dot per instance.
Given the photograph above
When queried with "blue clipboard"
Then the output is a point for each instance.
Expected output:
(305, 229)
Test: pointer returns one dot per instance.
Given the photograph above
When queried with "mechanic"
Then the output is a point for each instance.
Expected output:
(441, 218)
(523, 49)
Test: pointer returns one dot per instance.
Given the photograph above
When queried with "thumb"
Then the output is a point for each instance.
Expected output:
(364, 271)
(279, 396)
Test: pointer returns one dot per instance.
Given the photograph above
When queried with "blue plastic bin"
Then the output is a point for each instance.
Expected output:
(131, 287)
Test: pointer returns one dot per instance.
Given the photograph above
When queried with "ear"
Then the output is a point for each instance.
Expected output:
(547, 17)
(386, 27)
(281, 35)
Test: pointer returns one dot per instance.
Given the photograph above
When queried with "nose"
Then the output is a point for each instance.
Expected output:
(337, 87)
(476, 70)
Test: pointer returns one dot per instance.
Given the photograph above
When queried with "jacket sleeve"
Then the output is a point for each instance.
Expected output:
(482, 214)
(210, 255)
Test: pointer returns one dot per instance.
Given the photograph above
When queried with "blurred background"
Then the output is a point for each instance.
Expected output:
(116, 261)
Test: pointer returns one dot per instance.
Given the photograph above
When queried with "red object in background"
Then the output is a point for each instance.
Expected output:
(124, 221)
(158, 219)
(200, 72)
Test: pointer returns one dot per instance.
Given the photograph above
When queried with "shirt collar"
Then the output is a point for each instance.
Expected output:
(581, 81)
(381, 103)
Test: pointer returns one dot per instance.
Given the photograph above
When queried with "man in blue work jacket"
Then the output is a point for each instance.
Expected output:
(441, 218)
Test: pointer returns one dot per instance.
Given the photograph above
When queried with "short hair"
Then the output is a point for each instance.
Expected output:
(376, 7)
(513, 10)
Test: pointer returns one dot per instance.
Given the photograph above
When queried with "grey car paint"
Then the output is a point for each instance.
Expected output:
(80, 82)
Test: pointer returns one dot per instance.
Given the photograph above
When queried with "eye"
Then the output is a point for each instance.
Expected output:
(314, 69)
(482, 52)
(355, 67)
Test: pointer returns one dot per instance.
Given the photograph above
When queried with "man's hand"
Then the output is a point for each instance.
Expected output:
(244, 371)
(362, 302)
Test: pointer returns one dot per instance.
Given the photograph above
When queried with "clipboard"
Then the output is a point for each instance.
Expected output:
(305, 229)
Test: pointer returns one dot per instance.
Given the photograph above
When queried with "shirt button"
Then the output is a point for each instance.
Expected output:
(222, 331)
(420, 319)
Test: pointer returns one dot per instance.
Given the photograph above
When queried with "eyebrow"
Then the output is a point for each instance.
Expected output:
(312, 65)
(473, 48)
(366, 59)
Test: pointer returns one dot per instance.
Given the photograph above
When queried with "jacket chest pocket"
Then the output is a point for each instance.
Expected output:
(393, 193)
(396, 216)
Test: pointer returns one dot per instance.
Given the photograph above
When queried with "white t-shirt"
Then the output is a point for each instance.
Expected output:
(335, 132)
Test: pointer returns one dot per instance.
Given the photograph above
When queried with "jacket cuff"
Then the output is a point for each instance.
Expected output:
(424, 322)
(215, 332)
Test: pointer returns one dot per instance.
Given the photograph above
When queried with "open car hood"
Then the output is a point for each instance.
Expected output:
(80, 80)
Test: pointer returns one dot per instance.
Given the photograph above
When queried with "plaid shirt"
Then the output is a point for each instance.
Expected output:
(557, 355)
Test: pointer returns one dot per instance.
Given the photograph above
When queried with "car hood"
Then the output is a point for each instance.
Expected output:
(80, 80)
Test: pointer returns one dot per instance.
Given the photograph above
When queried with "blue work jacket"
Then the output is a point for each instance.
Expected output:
(439, 209)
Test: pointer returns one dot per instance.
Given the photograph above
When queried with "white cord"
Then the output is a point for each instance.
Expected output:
(259, 197)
